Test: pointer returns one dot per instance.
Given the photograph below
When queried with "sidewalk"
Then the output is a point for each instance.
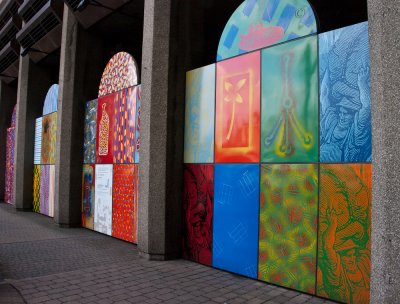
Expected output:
(41, 263)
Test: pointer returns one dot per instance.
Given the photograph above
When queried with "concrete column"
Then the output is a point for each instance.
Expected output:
(81, 58)
(384, 29)
(33, 83)
(160, 169)
(8, 98)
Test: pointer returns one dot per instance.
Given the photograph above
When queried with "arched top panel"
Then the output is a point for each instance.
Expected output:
(14, 117)
(51, 101)
(258, 24)
(120, 73)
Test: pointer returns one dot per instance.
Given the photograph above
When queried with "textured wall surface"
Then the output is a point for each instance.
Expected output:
(384, 29)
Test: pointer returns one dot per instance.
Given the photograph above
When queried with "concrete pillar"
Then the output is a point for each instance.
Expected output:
(81, 58)
(160, 169)
(33, 83)
(8, 98)
(384, 29)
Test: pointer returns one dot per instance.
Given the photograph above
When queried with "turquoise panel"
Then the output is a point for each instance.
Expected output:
(345, 122)
(199, 115)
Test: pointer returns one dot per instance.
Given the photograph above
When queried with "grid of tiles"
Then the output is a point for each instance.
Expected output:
(45, 155)
(277, 179)
(111, 153)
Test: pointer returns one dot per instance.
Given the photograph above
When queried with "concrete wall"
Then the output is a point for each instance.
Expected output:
(384, 29)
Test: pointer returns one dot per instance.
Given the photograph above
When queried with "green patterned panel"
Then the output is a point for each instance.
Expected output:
(36, 188)
(290, 102)
(288, 226)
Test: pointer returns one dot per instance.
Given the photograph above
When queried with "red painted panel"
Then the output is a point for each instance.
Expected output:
(124, 188)
(237, 137)
(105, 129)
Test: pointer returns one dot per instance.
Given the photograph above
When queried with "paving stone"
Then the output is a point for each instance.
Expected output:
(81, 266)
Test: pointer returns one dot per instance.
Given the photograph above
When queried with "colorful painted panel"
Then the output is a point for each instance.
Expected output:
(89, 142)
(345, 95)
(88, 196)
(260, 23)
(198, 212)
(51, 101)
(44, 189)
(237, 136)
(105, 130)
(290, 102)
(52, 186)
(200, 109)
(288, 226)
(344, 255)
(120, 73)
(235, 230)
(136, 206)
(124, 126)
(49, 134)
(36, 188)
(9, 178)
(103, 195)
(137, 136)
(14, 117)
(124, 187)
(38, 141)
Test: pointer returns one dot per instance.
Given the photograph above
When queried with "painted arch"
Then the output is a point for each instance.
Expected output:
(257, 24)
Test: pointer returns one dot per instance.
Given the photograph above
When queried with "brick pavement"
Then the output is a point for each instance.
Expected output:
(41, 263)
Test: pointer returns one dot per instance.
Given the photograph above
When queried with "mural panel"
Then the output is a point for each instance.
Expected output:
(124, 187)
(103, 195)
(49, 133)
(120, 73)
(238, 110)
(105, 130)
(235, 227)
(89, 142)
(51, 101)
(344, 255)
(290, 102)
(38, 141)
(52, 185)
(137, 136)
(44, 189)
(199, 112)
(198, 212)
(288, 226)
(88, 196)
(257, 24)
(36, 188)
(124, 126)
(345, 95)
(9, 178)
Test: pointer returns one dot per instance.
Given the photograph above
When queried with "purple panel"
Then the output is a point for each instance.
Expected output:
(44, 189)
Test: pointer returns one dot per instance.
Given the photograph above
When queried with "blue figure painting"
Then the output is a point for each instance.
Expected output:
(345, 126)
(235, 227)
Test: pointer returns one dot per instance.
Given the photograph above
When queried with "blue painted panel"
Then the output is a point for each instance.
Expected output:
(89, 141)
(51, 101)
(38, 142)
(345, 126)
(236, 209)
